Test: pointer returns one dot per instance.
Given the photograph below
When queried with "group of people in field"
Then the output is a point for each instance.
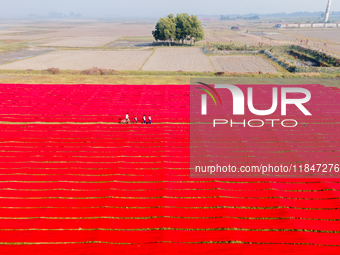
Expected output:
(136, 120)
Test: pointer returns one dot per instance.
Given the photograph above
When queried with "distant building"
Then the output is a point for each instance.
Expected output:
(306, 25)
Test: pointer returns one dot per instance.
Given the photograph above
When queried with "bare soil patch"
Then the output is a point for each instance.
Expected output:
(29, 38)
(242, 64)
(81, 60)
(99, 29)
(175, 59)
(129, 44)
(6, 57)
(326, 34)
(278, 36)
(8, 31)
(240, 38)
(80, 41)
(80, 29)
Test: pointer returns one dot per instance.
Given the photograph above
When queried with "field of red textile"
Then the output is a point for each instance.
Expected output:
(76, 182)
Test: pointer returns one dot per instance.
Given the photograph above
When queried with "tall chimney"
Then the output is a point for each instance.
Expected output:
(327, 10)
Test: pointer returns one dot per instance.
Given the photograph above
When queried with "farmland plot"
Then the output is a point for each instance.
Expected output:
(9, 31)
(129, 44)
(89, 34)
(175, 59)
(81, 42)
(318, 38)
(80, 60)
(327, 34)
(242, 64)
(280, 37)
(29, 38)
(21, 54)
(239, 38)
(99, 29)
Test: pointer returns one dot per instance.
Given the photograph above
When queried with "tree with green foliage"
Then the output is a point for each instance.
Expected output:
(224, 17)
(183, 27)
(196, 32)
(165, 29)
(180, 28)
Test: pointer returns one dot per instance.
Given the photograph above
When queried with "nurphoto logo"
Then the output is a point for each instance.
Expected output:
(239, 104)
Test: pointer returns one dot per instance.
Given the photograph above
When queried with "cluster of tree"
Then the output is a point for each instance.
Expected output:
(252, 17)
(224, 17)
(182, 28)
(239, 17)
(58, 15)
(248, 17)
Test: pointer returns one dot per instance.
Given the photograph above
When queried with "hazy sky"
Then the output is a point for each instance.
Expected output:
(157, 8)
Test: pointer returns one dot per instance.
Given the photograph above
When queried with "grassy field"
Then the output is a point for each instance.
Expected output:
(12, 45)
(92, 79)
(141, 77)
